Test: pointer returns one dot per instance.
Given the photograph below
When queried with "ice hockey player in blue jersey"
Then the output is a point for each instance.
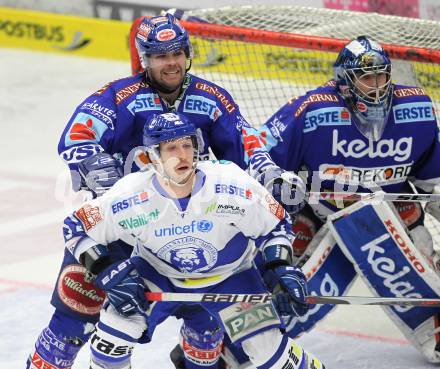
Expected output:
(101, 143)
(362, 133)
(189, 241)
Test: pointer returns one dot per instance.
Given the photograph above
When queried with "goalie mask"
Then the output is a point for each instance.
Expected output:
(173, 144)
(363, 75)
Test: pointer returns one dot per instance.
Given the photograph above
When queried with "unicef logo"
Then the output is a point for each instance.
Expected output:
(204, 225)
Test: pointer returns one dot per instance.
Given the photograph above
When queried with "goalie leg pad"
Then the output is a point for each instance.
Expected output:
(59, 343)
(273, 350)
(372, 237)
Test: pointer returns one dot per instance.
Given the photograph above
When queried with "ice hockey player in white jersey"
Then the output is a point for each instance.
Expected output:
(194, 226)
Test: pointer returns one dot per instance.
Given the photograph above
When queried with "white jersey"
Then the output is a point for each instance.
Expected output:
(205, 239)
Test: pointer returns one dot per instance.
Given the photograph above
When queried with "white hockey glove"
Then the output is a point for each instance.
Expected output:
(286, 187)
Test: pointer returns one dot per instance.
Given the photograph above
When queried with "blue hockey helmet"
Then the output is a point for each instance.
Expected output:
(161, 35)
(363, 75)
(166, 127)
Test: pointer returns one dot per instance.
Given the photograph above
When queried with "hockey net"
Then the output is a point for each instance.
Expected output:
(266, 55)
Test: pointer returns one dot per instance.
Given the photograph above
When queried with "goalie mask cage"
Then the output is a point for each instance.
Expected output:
(267, 55)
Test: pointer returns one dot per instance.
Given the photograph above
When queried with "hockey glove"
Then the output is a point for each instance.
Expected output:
(100, 172)
(286, 187)
(289, 286)
(124, 287)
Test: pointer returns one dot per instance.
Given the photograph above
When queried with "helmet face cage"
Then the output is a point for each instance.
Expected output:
(363, 75)
(161, 35)
(358, 61)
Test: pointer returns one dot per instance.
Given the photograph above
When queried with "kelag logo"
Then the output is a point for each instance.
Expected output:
(43, 32)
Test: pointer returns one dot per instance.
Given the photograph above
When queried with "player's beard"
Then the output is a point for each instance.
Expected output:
(163, 81)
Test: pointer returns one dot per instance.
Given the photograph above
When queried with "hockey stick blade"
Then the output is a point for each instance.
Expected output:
(255, 298)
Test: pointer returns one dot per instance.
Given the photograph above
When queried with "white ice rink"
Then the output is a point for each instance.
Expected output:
(37, 96)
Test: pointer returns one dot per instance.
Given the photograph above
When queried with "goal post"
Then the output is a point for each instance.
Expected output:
(265, 55)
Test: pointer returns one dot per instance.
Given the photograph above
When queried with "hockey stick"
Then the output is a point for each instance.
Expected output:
(254, 298)
(377, 196)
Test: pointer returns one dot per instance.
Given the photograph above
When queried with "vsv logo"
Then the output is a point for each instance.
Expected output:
(400, 150)
(176, 230)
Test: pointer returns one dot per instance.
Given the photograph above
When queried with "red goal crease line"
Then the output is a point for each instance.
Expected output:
(295, 40)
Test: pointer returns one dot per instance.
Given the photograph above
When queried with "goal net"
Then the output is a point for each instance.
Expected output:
(266, 55)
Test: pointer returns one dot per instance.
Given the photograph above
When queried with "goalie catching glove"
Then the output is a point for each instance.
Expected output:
(286, 187)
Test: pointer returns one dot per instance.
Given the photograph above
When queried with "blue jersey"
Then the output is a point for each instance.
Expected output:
(315, 133)
(112, 119)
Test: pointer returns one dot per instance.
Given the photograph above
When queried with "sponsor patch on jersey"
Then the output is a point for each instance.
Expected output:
(89, 216)
(229, 106)
(201, 105)
(145, 102)
(189, 254)
(134, 200)
(125, 92)
(413, 112)
(85, 128)
(410, 91)
(241, 122)
(77, 291)
(79, 153)
(103, 113)
(354, 175)
(251, 141)
(203, 226)
(315, 98)
(275, 207)
(224, 209)
(139, 220)
(399, 149)
(276, 127)
(229, 189)
(336, 116)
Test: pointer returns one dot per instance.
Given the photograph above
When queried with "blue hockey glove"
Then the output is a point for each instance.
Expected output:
(124, 287)
(286, 187)
(100, 172)
(289, 286)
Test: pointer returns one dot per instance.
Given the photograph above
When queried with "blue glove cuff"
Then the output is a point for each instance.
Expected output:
(277, 255)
